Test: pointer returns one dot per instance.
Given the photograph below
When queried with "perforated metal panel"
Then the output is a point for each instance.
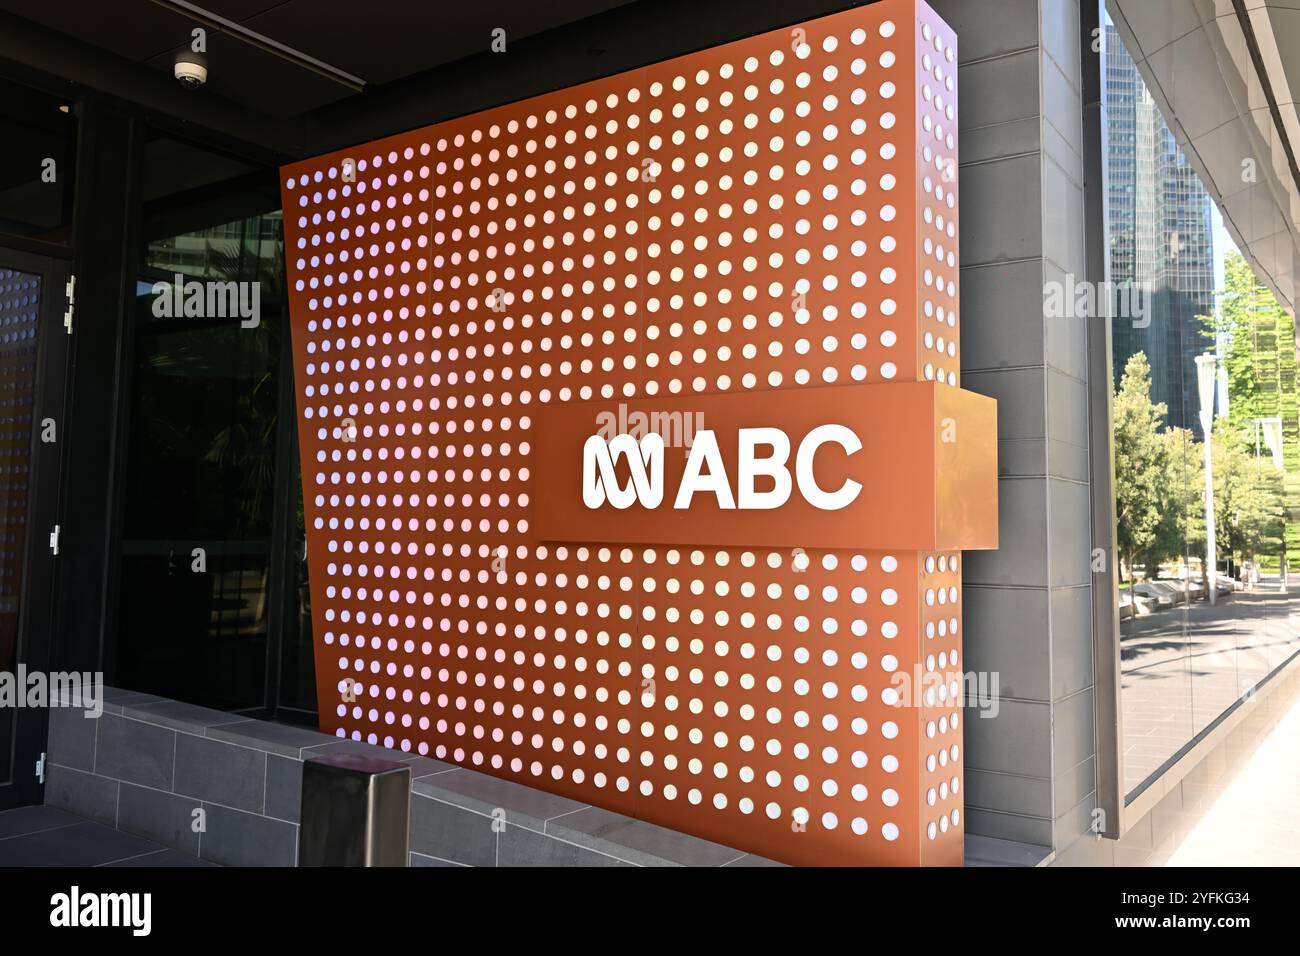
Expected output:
(776, 213)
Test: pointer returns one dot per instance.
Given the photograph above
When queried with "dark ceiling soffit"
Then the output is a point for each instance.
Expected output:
(264, 43)
(624, 38)
(77, 69)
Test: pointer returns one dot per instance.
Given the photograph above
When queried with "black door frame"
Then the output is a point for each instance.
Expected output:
(36, 611)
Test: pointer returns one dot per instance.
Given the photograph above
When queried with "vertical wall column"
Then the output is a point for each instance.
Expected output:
(1030, 768)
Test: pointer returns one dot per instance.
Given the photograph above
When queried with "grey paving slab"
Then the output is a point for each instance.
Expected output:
(85, 844)
(161, 858)
(24, 820)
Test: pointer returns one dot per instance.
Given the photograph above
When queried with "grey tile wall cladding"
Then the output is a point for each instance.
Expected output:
(148, 764)
(1030, 768)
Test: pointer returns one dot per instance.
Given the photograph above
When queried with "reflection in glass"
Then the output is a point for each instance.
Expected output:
(196, 545)
(20, 294)
(1187, 654)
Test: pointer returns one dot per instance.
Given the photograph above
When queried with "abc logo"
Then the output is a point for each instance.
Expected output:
(705, 471)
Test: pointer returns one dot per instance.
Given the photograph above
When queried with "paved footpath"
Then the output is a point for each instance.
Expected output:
(1256, 821)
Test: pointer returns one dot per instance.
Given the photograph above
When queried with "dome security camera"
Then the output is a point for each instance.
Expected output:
(191, 69)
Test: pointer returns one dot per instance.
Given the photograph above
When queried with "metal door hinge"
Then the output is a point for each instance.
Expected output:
(70, 290)
(54, 540)
(40, 769)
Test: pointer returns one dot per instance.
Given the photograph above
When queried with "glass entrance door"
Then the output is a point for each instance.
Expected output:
(33, 353)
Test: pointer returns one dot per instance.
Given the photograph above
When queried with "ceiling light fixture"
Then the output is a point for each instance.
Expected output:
(265, 43)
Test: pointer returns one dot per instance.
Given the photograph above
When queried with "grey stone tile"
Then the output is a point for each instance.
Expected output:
(991, 27)
(1018, 740)
(235, 838)
(178, 715)
(427, 766)
(220, 772)
(1022, 538)
(523, 806)
(420, 859)
(1067, 408)
(1076, 822)
(86, 844)
(451, 833)
(1069, 519)
(115, 698)
(1071, 640)
(1066, 337)
(1062, 218)
(1021, 394)
(1086, 851)
(998, 90)
(420, 766)
(282, 739)
(284, 788)
(72, 738)
(1060, 36)
(23, 820)
(84, 794)
(1063, 103)
(1005, 630)
(750, 859)
(1001, 315)
(1167, 818)
(1008, 793)
(1074, 785)
(1001, 211)
(1067, 459)
(1023, 458)
(1073, 732)
(1058, 147)
(521, 846)
(163, 817)
(635, 841)
(161, 858)
(1000, 140)
(1008, 826)
(987, 851)
(134, 751)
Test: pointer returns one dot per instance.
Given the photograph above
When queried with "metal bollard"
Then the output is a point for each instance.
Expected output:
(356, 811)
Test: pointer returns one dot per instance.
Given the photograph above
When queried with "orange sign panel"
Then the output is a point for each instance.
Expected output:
(775, 468)
(759, 237)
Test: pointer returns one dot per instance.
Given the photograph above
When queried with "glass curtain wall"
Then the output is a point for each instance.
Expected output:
(1199, 345)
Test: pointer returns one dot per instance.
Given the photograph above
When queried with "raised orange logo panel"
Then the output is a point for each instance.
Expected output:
(635, 465)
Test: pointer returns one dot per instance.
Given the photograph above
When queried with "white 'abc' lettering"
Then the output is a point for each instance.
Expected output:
(645, 461)
(705, 470)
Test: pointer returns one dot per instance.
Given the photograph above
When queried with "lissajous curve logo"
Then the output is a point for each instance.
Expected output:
(706, 471)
